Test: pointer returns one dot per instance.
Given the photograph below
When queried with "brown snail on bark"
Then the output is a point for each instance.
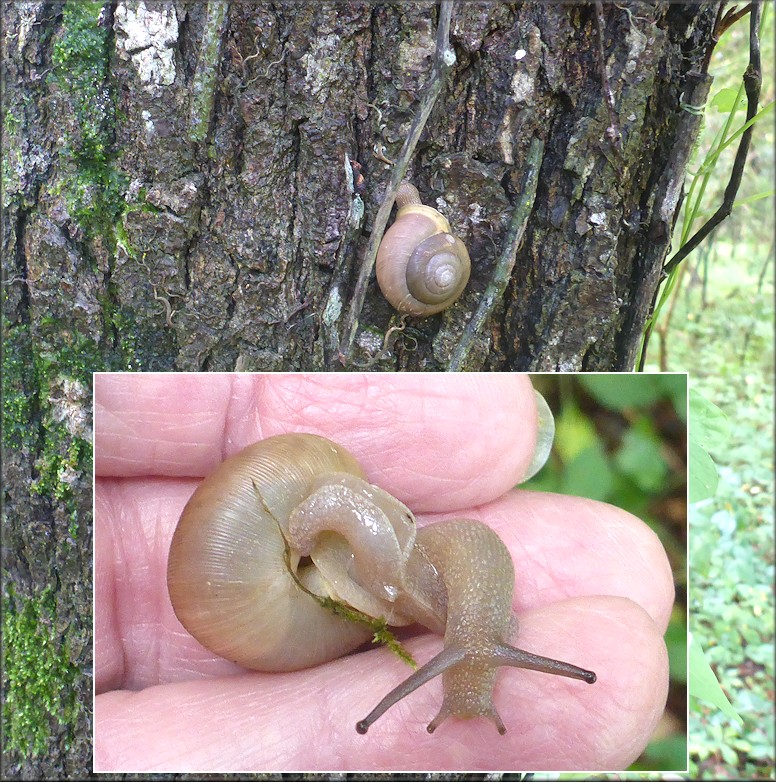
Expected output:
(422, 268)
(290, 522)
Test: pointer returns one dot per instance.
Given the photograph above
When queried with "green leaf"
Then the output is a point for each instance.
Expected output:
(589, 474)
(704, 684)
(667, 754)
(574, 432)
(724, 521)
(709, 426)
(676, 643)
(725, 100)
(728, 754)
(703, 474)
(548, 480)
(640, 457)
(740, 202)
(711, 159)
(619, 391)
(675, 387)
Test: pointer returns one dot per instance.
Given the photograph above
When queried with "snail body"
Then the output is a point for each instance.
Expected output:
(422, 268)
(290, 522)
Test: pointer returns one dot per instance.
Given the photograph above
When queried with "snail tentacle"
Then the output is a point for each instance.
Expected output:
(435, 666)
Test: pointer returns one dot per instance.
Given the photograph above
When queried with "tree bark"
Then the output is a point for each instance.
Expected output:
(178, 195)
(189, 187)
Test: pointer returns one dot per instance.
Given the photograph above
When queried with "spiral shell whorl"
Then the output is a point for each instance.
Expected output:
(422, 268)
(228, 581)
(438, 269)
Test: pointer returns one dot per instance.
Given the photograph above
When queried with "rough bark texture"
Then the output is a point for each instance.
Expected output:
(189, 186)
(177, 195)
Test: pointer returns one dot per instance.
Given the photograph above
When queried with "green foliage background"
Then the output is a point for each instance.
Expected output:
(622, 439)
(720, 327)
(717, 324)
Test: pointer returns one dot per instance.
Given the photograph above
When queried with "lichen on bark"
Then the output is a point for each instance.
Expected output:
(208, 183)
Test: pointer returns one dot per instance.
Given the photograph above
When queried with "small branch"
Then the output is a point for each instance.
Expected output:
(752, 83)
(506, 262)
(203, 83)
(714, 39)
(730, 18)
(443, 62)
(648, 331)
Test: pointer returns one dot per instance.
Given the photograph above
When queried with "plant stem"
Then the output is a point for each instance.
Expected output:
(506, 262)
(443, 63)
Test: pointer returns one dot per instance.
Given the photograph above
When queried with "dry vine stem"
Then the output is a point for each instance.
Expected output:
(752, 84)
(506, 262)
(443, 62)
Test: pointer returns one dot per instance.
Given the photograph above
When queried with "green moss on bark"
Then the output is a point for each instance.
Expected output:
(18, 380)
(81, 61)
(45, 432)
(31, 380)
(38, 676)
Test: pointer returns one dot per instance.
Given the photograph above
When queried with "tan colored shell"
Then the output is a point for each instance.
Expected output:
(422, 268)
(226, 574)
(241, 549)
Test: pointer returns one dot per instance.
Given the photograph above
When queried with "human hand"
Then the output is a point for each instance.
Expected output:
(593, 585)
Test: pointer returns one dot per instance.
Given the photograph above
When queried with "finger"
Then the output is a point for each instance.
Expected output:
(138, 640)
(306, 719)
(562, 547)
(553, 723)
(159, 424)
(437, 442)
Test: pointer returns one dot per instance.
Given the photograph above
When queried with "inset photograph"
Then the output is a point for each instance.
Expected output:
(432, 572)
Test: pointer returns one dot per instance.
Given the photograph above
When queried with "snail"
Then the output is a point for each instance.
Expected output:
(289, 526)
(422, 268)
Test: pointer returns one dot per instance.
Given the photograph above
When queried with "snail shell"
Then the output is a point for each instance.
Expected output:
(290, 523)
(226, 574)
(422, 268)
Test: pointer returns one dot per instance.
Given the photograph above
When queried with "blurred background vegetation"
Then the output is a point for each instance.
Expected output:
(622, 439)
(718, 325)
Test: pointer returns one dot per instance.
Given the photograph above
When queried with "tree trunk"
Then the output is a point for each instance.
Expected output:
(178, 194)
(180, 172)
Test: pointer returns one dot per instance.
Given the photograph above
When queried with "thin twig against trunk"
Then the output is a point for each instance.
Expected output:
(443, 62)
(506, 262)
(752, 83)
